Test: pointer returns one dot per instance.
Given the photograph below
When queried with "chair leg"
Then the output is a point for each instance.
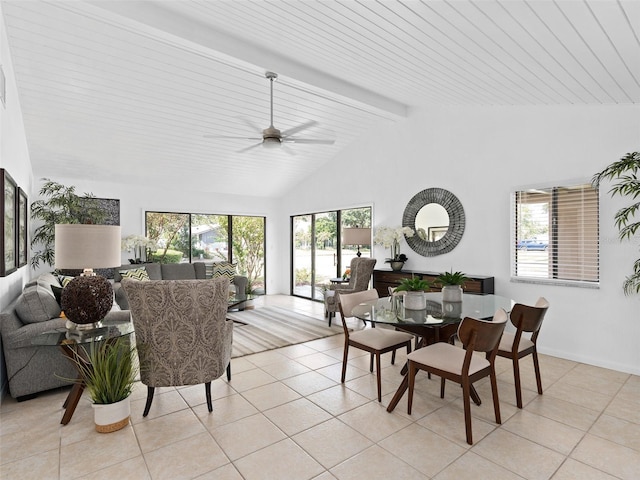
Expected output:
(442, 380)
(371, 363)
(412, 383)
(147, 406)
(466, 399)
(516, 377)
(393, 357)
(379, 377)
(229, 372)
(494, 392)
(344, 362)
(207, 391)
(536, 367)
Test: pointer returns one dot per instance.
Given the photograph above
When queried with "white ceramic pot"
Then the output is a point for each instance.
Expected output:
(112, 416)
(415, 301)
(452, 293)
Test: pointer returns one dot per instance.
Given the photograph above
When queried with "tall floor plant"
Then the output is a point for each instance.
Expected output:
(624, 173)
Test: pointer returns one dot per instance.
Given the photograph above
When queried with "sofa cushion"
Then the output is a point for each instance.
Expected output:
(153, 270)
(224, 269)
(135, 273)
(37, 304)
(64, 280)
(178, 271)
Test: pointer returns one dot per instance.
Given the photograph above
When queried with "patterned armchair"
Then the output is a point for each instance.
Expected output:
(361, 270)
(182, 334)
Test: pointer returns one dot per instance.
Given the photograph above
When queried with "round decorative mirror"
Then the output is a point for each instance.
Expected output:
(437, 217)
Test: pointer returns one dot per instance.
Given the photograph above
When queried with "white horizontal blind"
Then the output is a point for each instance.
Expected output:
(556, 234)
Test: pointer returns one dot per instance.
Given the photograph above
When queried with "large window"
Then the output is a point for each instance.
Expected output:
(556, 235)
(186, 237)
(317, 252)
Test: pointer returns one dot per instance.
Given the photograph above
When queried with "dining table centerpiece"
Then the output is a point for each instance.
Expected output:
(390, 237)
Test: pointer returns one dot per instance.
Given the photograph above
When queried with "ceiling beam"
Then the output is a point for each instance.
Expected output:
(149, 18)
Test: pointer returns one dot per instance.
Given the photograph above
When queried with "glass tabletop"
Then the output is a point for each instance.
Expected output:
(391, 310)
(63, 335)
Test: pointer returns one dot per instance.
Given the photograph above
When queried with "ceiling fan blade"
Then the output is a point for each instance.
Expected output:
(249, 148)
(316, 141)
(250, 124)
(288, 150)
(299, 128)
(257, 139)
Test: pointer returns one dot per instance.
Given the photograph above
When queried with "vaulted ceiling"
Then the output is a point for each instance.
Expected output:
(128, 91)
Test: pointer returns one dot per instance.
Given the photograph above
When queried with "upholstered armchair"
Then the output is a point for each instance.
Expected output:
(181, 331)
(361, 270)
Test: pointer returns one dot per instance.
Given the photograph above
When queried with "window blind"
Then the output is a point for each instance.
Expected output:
(556, 236)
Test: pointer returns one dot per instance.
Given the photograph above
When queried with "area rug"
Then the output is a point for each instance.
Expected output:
(267, 328)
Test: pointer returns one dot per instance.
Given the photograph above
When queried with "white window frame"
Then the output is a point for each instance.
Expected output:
(585, 242)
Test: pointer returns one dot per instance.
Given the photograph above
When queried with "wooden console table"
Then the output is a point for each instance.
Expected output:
(383, 279)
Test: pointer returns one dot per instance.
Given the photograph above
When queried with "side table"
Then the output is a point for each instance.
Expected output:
(72, 342)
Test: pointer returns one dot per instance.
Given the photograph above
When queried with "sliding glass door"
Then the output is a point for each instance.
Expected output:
(317, 255)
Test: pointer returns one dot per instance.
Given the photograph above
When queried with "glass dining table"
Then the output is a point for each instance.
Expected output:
(436, 323)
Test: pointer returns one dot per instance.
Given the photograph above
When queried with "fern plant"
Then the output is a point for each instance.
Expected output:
(624, 173)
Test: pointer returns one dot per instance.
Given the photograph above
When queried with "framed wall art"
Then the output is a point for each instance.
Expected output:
(8, 208)
(22, 214)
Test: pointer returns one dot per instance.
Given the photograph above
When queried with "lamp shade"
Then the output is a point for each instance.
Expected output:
(356, 236)
(79, 246)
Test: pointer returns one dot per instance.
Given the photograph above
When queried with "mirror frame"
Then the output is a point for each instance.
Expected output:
(456, 221)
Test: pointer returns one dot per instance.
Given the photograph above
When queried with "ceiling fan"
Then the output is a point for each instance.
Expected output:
(271, 136)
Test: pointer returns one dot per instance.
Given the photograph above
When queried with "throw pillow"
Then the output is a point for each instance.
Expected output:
(57, 292)
(37, 304)
(64, 280)
(135, 273)
(224, 269)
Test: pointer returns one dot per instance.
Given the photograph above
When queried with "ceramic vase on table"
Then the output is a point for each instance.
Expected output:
(452, 293)
(396, 266)
(415, 301)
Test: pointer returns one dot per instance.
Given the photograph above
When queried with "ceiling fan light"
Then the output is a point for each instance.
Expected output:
(271, 142)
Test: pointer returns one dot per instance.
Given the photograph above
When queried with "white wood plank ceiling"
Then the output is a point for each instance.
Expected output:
(126, 91)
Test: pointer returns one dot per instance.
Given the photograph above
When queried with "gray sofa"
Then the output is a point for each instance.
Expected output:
(32, 369)
(173, 271)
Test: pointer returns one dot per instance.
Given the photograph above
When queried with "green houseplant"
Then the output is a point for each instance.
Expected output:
(108, 371)
(451, 285)
(625, 173)
(60, 204)
(415, 288)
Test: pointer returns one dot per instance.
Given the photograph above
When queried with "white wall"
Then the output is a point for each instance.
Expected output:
(14, 158)
(481, 155)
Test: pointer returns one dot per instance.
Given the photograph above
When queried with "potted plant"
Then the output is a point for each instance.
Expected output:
(415, 288)
(108, 371)
(451, 285)
(390, 238)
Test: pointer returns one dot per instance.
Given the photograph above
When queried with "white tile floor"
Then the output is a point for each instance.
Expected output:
(285, 415)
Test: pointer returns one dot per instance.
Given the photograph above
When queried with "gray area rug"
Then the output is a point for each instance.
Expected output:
(267, 328)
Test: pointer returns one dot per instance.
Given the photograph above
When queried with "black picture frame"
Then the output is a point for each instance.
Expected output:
(22, 214)
(8, 207)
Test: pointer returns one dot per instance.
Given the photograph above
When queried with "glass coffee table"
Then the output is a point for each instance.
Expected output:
(72, 343)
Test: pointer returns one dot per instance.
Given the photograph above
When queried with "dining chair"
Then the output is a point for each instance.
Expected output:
(526, 319)
(376, 341)
(460, 365)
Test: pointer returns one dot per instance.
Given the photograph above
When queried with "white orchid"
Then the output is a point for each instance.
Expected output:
(133, 242)
(390, 237)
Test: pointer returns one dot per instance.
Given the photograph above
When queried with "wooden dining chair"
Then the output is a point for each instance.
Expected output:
(376, 341)
(526, 319)
(461, 365)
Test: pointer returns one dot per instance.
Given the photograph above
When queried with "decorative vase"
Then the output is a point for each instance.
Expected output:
(452, 293)
(111, 417)
(415, 301)
(396, 266)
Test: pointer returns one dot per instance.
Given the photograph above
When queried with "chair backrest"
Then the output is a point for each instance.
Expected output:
(181, 331)
(482, 335)
(361, 270)
(529, 318)
(350, 300)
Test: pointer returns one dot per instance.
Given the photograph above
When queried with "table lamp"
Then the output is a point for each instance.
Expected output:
(356, 236)
(87, 299)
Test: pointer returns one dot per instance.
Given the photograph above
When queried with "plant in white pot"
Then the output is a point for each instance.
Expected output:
(451, 285)
(108, 370)
(415, 288)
